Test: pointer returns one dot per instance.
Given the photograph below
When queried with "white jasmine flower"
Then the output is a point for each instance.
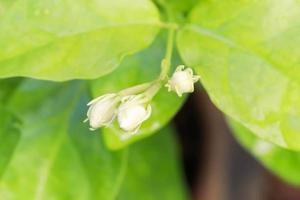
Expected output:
(133, 111)
(102, 110)
(182, 81)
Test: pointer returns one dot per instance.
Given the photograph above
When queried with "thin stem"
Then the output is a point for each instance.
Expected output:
(166, 62)
(153, 89)
(150, 89)
(135, 89)
(170, 43)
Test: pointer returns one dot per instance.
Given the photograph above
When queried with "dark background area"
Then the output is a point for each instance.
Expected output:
(216, 167)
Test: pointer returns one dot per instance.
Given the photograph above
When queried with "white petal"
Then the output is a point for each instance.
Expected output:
(102, 110)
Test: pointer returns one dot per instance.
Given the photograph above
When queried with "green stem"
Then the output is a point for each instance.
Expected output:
(150, 89)
(165, 67)
(135, 89)
(153, 89)
(166, 62)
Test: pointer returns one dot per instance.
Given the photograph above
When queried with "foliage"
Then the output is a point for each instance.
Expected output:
(246, 53)
(42, 40)
(135, 70)
(248, 60)
(54, 156)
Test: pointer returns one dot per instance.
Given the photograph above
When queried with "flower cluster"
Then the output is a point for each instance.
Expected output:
(131, 107)
(131, 111)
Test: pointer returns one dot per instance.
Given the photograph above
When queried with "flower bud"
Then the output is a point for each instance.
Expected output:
(132, 113)
(102, 110)
(182, 81)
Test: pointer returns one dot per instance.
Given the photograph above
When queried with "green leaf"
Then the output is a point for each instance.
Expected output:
(10, 123)
(46, 164)
(9, 136)
(62, 40)
(143, 67)
(282, 162)
(7, 88)
(247, 54)
(57, 157)
(148, 176)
